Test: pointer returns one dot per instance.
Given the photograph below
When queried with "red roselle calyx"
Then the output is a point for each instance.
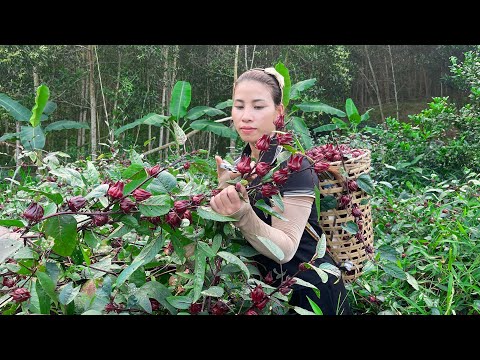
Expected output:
(219, 308)
(280, 176)
(321, 166)
(295, 162)
(181, 206)
(268, 279)
(195, 308)
(197, 199)
(20, 295)
(33, 212)
(99, 220)
(140, 194)
(187, 215)
(257, 294)
(173, 219)
(284, 139)
(263, 143)
(352, 185)
(76, 203)
(251, 312)
(153, 170)
(8, 282)
(356, 212)
(126, 205)
(155, 304)
(116, 190)
(262, 168)
(186, 166)
(345, 200)
(244, 165)
(279, 122)
(269, 190)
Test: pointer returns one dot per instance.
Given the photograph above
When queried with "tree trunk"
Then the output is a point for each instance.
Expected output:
(235, 76)
(93, 104)
(375, 84)
(386, 82)
(164, 93)
(394, 83)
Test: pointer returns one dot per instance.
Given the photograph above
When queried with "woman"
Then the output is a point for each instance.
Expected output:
(257, 108)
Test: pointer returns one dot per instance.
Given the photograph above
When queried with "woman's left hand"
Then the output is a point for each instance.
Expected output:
(228, 201)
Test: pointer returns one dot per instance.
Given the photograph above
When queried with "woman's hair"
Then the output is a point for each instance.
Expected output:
(265, 78)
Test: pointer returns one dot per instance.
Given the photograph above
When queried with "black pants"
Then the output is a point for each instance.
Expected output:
(333, 298)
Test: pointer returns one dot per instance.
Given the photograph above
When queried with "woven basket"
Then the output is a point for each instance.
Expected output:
(343, 245)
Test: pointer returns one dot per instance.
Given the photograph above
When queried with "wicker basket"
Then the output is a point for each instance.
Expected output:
(344, 245)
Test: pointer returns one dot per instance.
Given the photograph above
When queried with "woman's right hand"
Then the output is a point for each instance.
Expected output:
(223, 174)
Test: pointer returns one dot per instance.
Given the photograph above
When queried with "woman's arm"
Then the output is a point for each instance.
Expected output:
(285, 234)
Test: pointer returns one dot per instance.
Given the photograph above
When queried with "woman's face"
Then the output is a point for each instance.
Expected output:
(253, 111)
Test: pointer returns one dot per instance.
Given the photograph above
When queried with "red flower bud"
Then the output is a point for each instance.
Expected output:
(263, 143)
(284, 139)
(99, 220)
(114, 307)
(257, 294)
(116, 190)
(8, 282)
(369, 249)
(359, 236)
(219, 308)
(268, 279)
(269, 190)
(197, 199)
(76, 203)
(280, 176)
(356, 212)
(262, 303)
(20, 294)
(284, 290)
(195, 308)
(33, 212)
(295, 162)
(126, 205)
(262, 168)
(321, 166)
(181, 206)
(155, 220)
(155, 304)
(279, 122)
(345, 200)
(187, 215)
(173, 219)
(251, 312)
(244, 165)
(153, 170)
(186, 166)
(352, 185)
(140, 194)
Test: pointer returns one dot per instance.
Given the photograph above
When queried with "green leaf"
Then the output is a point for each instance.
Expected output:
(322, 274)
(91, 239)
(207, 213)
(277, 199)
(199, 111)
(315, 307)
(329, 202)
(159, 292)
(44, 301)
(352, 112)
(199, 274)
(215, 127)
(321, 246)
(17, 223)
(99, 191)
(149, 119)
(331, 269)
(146, 255)
(162, 184)
(214, 291)
(156, 205)
(265, 208)
(388, 252)
(68, 294)
(320, 107)
(207, 250)
(14, 108)
(280, 67)
(181, 96)
(301, 128)
(350, 227)
(180, 302)
(230, 258)
(10, 136)
(8, 246)
(92, 173)
(32, 137)
(328, 127)
(393, 270)
(301, 86)
(302, 311)
(40, 101)
(339, 123)
(65, 125)
(272, 247)
(48, 285)
(412, 281)
(63, 229)
(50, 107)
(224, 104)
(317, 201)
(365, 183)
